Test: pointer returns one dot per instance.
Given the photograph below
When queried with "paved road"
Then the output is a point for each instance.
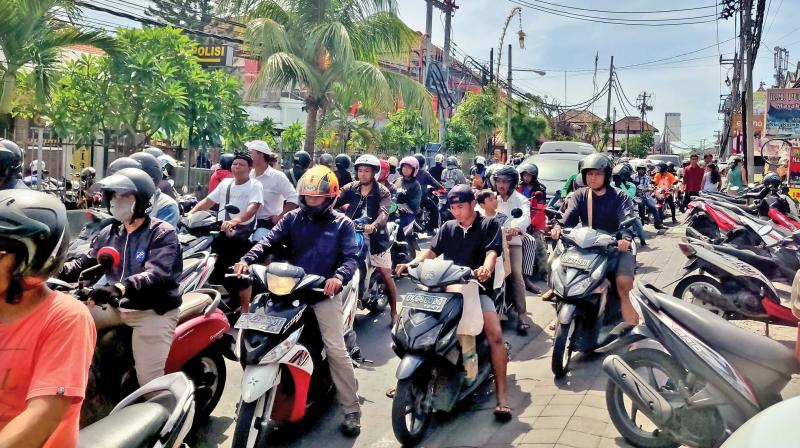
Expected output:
(548, 413)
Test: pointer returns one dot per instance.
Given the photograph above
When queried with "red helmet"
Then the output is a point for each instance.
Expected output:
(384, 171)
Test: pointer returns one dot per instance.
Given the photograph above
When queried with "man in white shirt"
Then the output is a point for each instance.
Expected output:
(506, 180)
(236, 228)
(278, 194)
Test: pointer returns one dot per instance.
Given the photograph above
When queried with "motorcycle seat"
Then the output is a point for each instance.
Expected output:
(723, 336)
(193, 304)
(132, 426)
(748, 257)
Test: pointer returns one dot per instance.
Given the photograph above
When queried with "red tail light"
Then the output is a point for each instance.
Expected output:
(687, 249)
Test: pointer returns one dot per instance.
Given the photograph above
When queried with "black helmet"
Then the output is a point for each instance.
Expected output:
(342, 162)
(226, 160)
(129, 180)
(150, 166)
(302, 159)
(10, 159)
(326, 159)
(421, 159)
(662, 167)
(508, 172)
(623, 171)
(122, 163)
(88, 173)
(671, 167)
(153, 151)
(772, 180)
(529, 168)
(596, 161)
(33, 225)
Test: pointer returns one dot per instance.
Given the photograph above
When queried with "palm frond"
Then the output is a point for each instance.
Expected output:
(266, 37)
(329, 40)
(365, 77)
(284, 69)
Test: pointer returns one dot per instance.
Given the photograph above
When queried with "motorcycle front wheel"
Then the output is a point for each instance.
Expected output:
(251, 421)
(683, 292)
(378, 296)
(207, 371)
(562, 349)
(411, 410)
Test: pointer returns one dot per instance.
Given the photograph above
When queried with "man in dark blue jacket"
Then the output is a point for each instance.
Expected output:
(145, 282)
(322, 242)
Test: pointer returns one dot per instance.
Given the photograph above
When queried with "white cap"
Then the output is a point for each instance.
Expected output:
(35, 165)
(259, 145)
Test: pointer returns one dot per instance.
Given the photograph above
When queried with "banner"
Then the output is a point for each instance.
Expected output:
(783, 113)
(215, 55)
(759, 102)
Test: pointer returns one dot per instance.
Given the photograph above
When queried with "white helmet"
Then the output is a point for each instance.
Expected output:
(165, 160)
(479, 160)
(369, 159)
(439, 158)
(34, 166)
(392, 161)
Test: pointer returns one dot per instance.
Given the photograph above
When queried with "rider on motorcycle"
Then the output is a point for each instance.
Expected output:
(409, 193)
(223, 172)
(393, 171)
(145, 283)
(438, 168)
(453, 175)
(602, 207)
(301, 163)
(164, 207)
(168, 167)
(342, 172)
(643, 182)
(365, 197)
(426, 180)
(322, 242)
(46, 338)
(664, 181)
(474, 241)
(10, 166)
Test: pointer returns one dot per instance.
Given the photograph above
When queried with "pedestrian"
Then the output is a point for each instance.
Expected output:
(735, 175)
(223, 172)
(278, 194)
(692, 180)
(712, 180)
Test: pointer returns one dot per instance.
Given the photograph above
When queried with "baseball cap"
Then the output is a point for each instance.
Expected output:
(460, 194)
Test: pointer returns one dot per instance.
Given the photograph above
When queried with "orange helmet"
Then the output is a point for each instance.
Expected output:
(318, 181)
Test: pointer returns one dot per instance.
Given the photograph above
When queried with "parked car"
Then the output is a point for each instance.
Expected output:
(555, 168)
(674, 158)
(567, 148)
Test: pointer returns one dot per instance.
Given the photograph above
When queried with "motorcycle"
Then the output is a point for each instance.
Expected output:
(372, 293)
(196, 350)
(83, 243)
(431, 375)
(286, 371)
(158, 414)
(587, 303)
(708, 378)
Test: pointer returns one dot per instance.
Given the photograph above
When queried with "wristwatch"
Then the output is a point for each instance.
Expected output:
(120, 287)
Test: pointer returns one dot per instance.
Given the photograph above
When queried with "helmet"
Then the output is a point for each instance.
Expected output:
(506, 172)
(168, 165)
(622, 171)
(34, 227)
(421, 159)
(226, 160)
(439, 159)
(129, 180)
(122, 162)
(369, 159)
(489, 171)
(529, 168)
(452, 161)
(326, 159)
(384, 174)
(342, 161)
(34, 166)
(670, 166)
(10, 158)
(479, 160)
(153, 151)
(412, 162)
(302, 159)
(88, 173)
(392, 161)
(150, 166)
(662, 167)
(596, 161)
(772, 180)
(318, 181)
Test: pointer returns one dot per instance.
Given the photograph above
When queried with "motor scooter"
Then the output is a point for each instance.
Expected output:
(157, 415)
(372, 293)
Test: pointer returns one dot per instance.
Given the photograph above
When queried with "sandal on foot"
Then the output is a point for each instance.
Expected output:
(502, 413)
(391, 392)
(522, 329)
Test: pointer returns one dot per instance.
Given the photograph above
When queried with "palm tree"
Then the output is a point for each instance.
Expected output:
(316, 45)
(32, 36)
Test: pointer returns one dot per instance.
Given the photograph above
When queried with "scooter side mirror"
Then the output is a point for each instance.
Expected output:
(765, 230)
(232, 209)
(516, 213)
(108, 257)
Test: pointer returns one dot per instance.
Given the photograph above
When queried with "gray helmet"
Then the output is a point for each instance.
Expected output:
(88, 173)
(507, 172)
(33, 225)
(596, 161)
(452, 161)
(326, 159)
(150, 165)
(10, 159)
(153, 151)
(421, 159)
(122, 163)
(772, 180)
(529, 168)
(130, 181)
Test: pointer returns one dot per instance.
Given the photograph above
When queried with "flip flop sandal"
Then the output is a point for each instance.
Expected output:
(391, 392)
(522, 329)
(502, 413)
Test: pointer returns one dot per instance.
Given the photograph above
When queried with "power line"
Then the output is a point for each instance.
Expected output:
(610, 21)
(629, 12)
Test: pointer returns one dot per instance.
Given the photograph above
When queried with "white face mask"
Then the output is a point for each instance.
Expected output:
(122, 209)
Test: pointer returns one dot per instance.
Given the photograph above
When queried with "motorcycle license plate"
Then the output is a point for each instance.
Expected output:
(424, 302)
(575, 262)
(260, 322)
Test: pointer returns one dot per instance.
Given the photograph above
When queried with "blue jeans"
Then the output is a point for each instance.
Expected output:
(650, 203)
(639, 229)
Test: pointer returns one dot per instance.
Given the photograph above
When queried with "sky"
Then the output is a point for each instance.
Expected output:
(690, 85)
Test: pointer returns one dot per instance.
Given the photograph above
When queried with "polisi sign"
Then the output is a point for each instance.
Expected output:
(215, 55)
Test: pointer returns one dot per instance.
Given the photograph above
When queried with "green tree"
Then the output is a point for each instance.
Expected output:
(459, 137)
(263, 130)
(647, 140)
(32, 36)
(634, 147)
(81, 102)
(404, 130)
(292, 137)
(315, 45)
(193, 14)
(478, 111)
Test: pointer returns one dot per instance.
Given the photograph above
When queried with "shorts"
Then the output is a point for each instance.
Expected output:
(487, 305)
(623, 264)
(381, 260)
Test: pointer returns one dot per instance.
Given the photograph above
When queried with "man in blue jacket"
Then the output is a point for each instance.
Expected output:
(322, 242)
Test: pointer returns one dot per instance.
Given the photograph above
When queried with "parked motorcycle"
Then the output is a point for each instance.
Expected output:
(707, 380)
(431, 375)
(158, 414)
(587, 303)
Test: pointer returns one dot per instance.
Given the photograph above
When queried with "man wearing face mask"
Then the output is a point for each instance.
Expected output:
(145, 283)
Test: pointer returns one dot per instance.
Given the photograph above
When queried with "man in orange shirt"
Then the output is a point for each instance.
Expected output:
(46, 338)
(664, 180)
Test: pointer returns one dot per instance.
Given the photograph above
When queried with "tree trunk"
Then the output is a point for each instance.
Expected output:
(8, 89)
(311, 127)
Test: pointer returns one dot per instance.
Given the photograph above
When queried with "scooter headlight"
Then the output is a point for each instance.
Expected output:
(428, 339)
(581, 287)
(445, 340)
(281, 349)
(280, 286)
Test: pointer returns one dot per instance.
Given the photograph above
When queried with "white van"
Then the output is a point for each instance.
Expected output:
(567, 148)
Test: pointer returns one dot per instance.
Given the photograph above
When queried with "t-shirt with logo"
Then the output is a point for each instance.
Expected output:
(241, 196)
(47, 353)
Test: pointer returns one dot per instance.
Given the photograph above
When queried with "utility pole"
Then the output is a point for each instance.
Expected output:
(565, 88)
(781, 64)
(747, 95)
(614, 130)
(643, 108)
(428, 31)
(490, 143)
(508, 109)
(608, 105)
(627, 134)
(448, 14)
